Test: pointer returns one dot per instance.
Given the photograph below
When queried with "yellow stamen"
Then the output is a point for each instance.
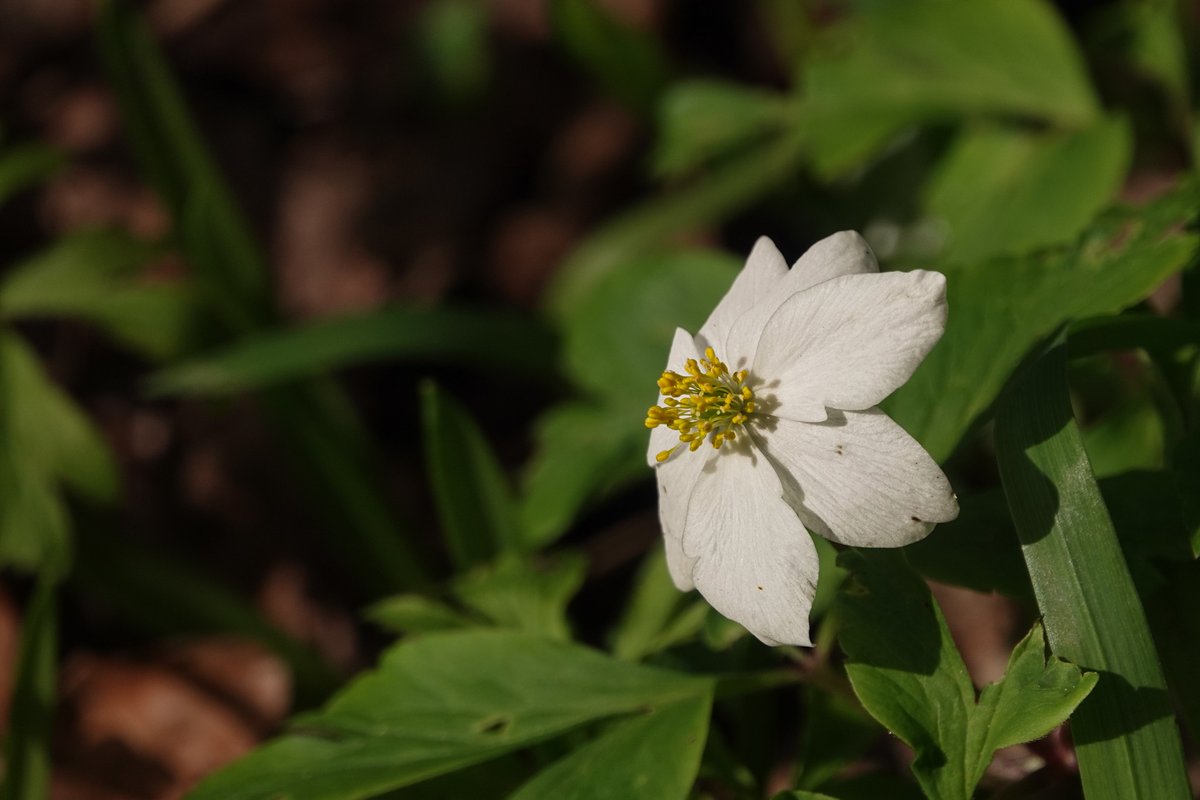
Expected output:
(706, 403)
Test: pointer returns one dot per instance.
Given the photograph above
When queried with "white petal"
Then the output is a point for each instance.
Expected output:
(858, 478)
(683, 347)
(844, 253)
(755, 563)
(676, 479)
(764, 268)
(849, 342)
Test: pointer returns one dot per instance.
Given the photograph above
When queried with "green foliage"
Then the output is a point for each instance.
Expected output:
(491, 340)
(475, 503)
(651, 757)
(700, 121)
(452, 40)
(47, 442)
(908, 674)
(26, 165)
(625, 61)
(1126, 735)
(525, 596)
(1004, 190)
(95, 276)
(444, 701)
(905, 63)
(34, 690)
(1001, 308)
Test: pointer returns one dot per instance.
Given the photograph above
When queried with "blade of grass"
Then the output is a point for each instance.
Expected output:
(498, 341)
(1125, 733)
(333, 457)
(27, 746)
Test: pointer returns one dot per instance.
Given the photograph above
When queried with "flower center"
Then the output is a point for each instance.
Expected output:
(708, 402)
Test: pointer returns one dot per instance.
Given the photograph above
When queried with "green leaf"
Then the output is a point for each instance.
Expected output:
(617, 339)
(47, 441)
(908, 674)
(702, 120)
(414, 613)
(529, 596)
(94, 276)
(999, 309)
(926, 59)
(1005, 190)
(439, 703)
(642, 231)
(221, 250)
(25, 165)
(1125, 735)
(802, 794)
(474, 337)
(452, 40)
(651, 757)
(626, 62)
(647, 617)
(474, 501)
(837, 732)
(34, 687)
(579, 450)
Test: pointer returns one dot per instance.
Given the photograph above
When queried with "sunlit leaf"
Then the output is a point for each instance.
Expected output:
(1125, 735)
(439, 703)
(651, 757)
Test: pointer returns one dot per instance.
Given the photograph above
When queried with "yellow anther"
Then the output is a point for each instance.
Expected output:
(708, 403)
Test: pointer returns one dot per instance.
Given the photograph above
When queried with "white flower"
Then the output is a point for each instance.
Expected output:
(796, 439)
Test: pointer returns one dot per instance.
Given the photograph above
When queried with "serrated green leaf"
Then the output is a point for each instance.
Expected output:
(1125, 735)
(999, 309)
(651, 757)
(908, 674)
(1005, 190)
(530, 596)
(474, 337)
(442, 702)
(475, 503)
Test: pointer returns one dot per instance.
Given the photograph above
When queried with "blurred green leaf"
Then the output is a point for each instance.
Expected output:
(701, 120)
(220, 247)
(646, 619)
(24, 165)
(1004, 190)
(1149, 37)
(642, 231)
(616, 341)
(414, 613)
(529, 596)
(452, 38)
(34, 689)
(474, 501)
(801, 794)
(836, 733)
(627, 62)
(897, 64)
(579, 450)
(1125, 735)
(164, 596)
(1000, 308)
(442, 702)
(487, 339)
(95, 275)
(44, 440)
(1173, 609)
(908, 674)
(654, 756)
